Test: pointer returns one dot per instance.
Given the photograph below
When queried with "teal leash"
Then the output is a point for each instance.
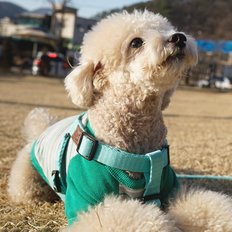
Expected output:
(206, 177)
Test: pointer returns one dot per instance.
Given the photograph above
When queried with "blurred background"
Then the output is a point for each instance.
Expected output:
(43, 37)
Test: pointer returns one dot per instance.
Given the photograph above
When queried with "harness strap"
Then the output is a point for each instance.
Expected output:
(153, 179)
(59, 175)
(151, 164)
(91, 149)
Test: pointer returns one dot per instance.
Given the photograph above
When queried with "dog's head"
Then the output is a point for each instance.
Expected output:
(141, 51)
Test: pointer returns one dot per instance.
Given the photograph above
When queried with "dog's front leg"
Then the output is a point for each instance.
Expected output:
(25, 184)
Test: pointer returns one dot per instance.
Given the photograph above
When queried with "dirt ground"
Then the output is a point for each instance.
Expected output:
(199, 133)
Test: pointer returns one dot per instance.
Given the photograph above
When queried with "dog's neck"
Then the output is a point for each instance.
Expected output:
(135, 125)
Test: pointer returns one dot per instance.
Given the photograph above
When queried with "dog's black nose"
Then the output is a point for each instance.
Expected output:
(178, 39)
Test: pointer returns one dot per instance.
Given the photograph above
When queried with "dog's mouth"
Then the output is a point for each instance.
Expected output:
(176, 56)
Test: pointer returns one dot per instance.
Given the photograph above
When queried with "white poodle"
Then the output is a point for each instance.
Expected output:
(130, 66)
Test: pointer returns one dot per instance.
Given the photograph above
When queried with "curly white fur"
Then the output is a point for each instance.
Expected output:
(128, 87)
(112, 215)
(125, 91)
(202, 211)
(36, 122)
(25, 184)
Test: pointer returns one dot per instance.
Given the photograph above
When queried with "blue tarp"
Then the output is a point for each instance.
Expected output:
(206, 45)
(212, 46)
(227, 47)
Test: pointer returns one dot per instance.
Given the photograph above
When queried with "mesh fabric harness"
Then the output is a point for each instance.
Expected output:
(83, 170)
(151, 164)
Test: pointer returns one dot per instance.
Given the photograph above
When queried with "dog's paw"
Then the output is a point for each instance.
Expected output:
(115, 214)
(202, 210)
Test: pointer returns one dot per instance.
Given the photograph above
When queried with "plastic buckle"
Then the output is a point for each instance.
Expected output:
(91, 154)
(56, 181)
(156, 196)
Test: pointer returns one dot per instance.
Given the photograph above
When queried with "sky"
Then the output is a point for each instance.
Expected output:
(86, 8)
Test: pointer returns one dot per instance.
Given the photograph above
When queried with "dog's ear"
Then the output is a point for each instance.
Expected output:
(79, 84)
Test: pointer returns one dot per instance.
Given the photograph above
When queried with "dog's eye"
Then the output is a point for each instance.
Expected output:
(136, 43)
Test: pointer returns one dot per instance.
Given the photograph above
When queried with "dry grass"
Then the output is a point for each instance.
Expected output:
(200, 135)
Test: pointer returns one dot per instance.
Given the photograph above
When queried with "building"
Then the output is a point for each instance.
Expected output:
(68, 26)
(57, 30)
(61, 23)
(83, 25)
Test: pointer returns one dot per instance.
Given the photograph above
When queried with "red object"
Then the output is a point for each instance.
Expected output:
(37, 62)
(52, 55)
(66, 65)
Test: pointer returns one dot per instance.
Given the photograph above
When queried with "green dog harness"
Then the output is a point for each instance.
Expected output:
(82, 170)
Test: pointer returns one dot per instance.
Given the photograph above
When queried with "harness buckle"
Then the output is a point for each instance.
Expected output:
(94, 144)
(56, 181)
